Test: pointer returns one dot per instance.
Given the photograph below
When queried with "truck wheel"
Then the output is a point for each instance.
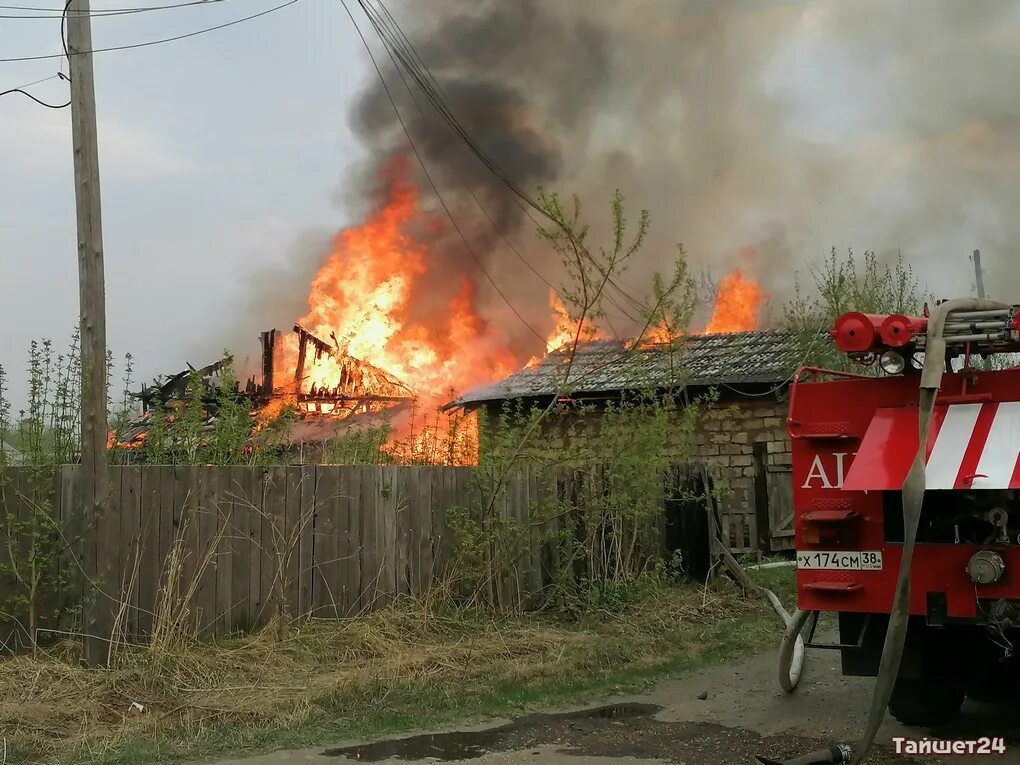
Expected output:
(925, 703)
(994, 684)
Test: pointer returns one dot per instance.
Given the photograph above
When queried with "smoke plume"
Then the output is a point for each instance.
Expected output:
(788, 127)
(780, 127)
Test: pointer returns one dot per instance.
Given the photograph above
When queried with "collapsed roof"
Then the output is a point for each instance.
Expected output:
(361, 393)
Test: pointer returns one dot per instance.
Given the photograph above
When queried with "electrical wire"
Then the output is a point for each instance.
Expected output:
(59, 75)
(37, 82)
(467, 187)
(63, 37)
(53, 13)
(442, 202)
(157, 42)
(819, 334)
(37, 100)
(428, 86)
(399, 47)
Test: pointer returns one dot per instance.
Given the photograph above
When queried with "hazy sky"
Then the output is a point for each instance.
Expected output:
(217, 153)
(788, 125)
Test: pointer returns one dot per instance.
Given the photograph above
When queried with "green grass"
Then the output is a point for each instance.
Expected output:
(412, 706)
(421, 679)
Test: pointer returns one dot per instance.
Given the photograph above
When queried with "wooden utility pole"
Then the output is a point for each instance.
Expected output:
(92, 304)
(979, 275)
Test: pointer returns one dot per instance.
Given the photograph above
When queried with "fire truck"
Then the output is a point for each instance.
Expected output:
(868, 498)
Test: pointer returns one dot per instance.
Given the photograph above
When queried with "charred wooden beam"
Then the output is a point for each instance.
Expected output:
(323, 398)
(354, 374)
(321, 346)
(268, 348)
(299, 371)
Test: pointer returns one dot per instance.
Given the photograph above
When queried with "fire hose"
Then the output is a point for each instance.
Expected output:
(792, 652)
(913, 497)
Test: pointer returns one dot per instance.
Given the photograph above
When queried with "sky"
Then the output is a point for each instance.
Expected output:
(228, 159)
(217, 153)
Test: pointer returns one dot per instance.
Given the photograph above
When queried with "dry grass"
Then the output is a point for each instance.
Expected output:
(53, 708)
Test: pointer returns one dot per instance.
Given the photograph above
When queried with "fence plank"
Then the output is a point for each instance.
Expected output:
(353, 541)
(186, 496)
(208, 549)
(292, 542)
(343, 503)
(167, 534)
(554, 498)
(306, 552)
(274, 534)
(131, 545)
(223, 602)
(259, 549)
(148, 550)
(368, 514)
(522, 549)
(70, 600)
(438, 522)
(109, 549)
(405, 486)
(533, 531)
(420, 532)
(328, 519)
(503, 510)
(387, 533)
(241, 512)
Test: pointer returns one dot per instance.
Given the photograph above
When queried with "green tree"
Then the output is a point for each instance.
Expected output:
(604, 461)
(839, 284)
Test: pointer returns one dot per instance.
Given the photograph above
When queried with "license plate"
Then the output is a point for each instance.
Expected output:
(843, 560)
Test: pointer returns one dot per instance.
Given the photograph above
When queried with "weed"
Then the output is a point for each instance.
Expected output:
(415, 662)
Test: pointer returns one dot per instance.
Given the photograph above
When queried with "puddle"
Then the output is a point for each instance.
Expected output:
(466, 745)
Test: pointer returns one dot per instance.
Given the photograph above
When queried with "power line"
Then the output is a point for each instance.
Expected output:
(399, 45)
(59, 75)
(439, 196)
(37, 100)
(37, 82)
(158, 42)
(53, 13)
(463, 181)
(426, 82)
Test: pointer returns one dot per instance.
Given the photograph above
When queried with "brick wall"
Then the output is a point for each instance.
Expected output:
(725, 441)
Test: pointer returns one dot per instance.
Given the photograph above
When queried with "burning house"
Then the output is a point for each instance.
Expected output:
(395, 327)
(358, 393)
(742, 437)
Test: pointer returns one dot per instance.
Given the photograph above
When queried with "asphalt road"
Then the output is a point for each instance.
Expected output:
(722, 714)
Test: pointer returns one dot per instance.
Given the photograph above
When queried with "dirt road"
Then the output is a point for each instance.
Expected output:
(718, 715)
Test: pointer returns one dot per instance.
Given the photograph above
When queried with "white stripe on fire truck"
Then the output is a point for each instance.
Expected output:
(951, 445)
(1001, 449)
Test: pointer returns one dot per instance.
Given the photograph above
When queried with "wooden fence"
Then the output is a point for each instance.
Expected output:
(229, 548)
(235, 546)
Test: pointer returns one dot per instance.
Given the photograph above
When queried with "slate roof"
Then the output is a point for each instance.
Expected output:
(767, 356)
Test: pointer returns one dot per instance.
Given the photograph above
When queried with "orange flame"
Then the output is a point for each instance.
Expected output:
(737, 301)
(565, 331)
(661, 333)
(369, 301)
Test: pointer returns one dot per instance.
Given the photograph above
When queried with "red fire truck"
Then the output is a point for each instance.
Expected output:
(855, 439)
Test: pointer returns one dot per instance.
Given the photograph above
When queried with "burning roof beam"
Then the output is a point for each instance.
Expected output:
(356, 376)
